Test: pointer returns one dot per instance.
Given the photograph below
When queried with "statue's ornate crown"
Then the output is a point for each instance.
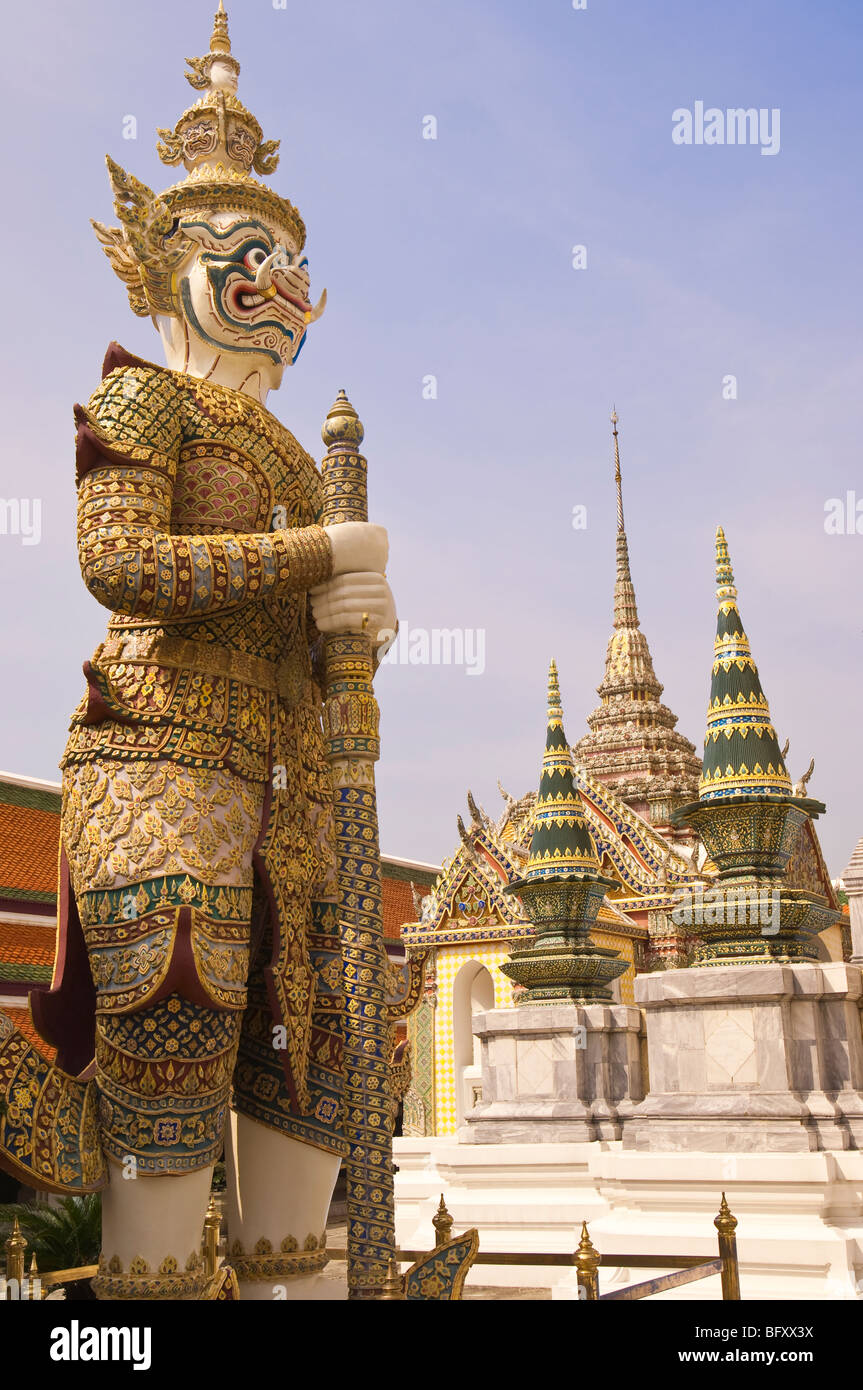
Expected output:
(221, 144)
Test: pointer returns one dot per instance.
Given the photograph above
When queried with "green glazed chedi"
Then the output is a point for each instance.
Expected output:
(562, 889)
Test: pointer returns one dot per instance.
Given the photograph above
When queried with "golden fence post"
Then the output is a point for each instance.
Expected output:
(15, 1247)
(587, 1262)
(726, 1224)
(394, 1285)
(212, 1227)
(442, 1225)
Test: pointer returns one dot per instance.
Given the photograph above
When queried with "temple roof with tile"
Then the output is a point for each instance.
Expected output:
(29, 820)
(29, 835)
(631, 771)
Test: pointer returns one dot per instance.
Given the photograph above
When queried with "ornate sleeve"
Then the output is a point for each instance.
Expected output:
(127, 448)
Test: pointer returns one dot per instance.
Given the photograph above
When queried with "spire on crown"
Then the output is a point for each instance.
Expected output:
(561, 845)
(217, 133)
(227, 69)
(220, 41)
(741, 755)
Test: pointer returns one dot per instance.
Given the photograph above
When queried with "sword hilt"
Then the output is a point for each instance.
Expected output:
(348, 659)
(344, 469)
(352, 743)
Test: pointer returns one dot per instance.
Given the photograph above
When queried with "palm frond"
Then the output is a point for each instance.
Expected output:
(63, 1234)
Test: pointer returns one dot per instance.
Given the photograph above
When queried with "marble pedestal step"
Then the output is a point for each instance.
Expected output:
(555, 1074)
(530, 1197)
(800, 1219)
(800, 1215)
(751, 1058)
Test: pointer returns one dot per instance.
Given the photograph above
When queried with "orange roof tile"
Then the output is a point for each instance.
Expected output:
(26, 945)
(23, 1022)
(29, 840)
(398, 906)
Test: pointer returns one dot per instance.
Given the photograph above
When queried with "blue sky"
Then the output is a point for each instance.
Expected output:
(453, 257)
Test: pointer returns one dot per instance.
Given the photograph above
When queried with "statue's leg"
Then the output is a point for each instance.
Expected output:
(283, 1161)
(161, 860)
(164, 1074)
(135, 1219)
(279, 1193)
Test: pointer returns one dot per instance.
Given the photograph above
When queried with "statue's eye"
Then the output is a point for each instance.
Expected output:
(256, 256)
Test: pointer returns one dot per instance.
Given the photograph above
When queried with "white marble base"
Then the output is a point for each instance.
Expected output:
(562, 1073)
(519, 1196)
(751, 1058)
(800, 1219)
(800, 1231)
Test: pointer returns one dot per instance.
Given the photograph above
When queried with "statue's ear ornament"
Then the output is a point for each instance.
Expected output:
(146, 250)
(170, 146)
(266, 158)
(198, 75)
(123, 264)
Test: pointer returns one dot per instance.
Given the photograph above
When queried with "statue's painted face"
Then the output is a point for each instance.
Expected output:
(246, 288)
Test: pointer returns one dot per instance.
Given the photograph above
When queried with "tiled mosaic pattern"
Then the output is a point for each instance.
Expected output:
(623, 945)
(450, 960)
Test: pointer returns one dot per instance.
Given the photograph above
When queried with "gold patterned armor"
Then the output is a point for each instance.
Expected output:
(196, 815)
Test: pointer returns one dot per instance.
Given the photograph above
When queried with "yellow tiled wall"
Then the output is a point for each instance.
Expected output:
(450, 959)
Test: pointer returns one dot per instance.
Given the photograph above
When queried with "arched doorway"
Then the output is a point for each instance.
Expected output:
(473, 993)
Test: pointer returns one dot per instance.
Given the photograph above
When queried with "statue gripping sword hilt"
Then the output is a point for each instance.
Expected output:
(353, 746)
(372, 1004)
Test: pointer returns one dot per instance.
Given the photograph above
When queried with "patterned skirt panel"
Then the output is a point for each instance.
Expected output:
(200, 846)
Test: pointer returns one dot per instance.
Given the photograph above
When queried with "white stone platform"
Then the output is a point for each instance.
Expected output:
(520, 1197)
(800, 1215)
(562, 1073)
(751, 1058)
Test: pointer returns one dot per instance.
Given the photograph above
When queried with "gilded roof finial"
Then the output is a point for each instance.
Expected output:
(724, 574)
(617, 479)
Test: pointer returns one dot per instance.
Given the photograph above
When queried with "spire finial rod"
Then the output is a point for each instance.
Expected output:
(625, 612)
(725, 588)
(617, 478)
(555, 712)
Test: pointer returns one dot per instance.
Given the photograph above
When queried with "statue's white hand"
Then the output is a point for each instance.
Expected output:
(358, 547)
(355, 603)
